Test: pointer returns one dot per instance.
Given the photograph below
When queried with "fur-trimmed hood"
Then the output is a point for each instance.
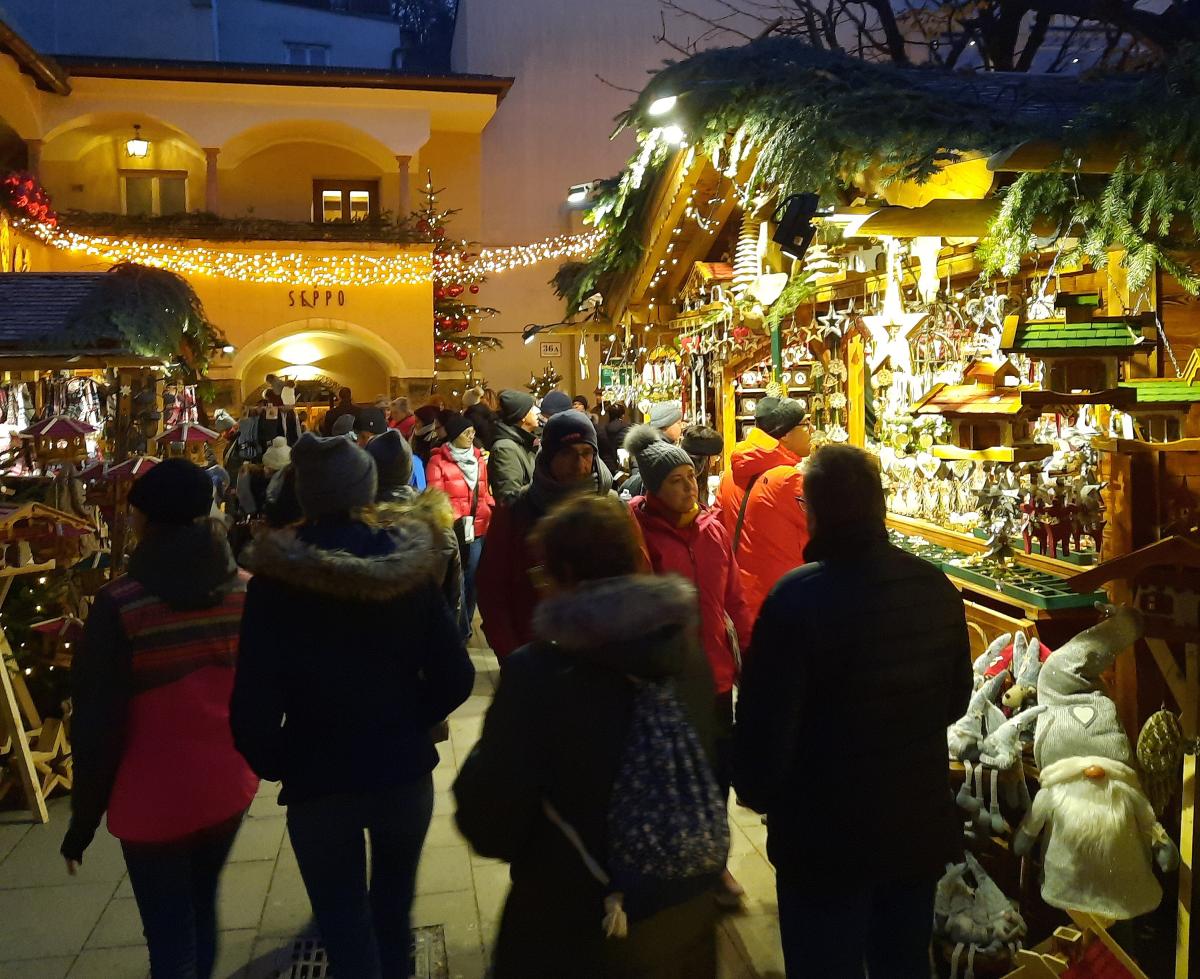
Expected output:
(633, 623)
(430, 506)
(352, 561)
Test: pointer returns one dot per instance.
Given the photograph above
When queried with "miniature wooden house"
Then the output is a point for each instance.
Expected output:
(1167, 409)
(59, 637)
(33, 536)
(57, 439)
(705, 282)
(989, 420)
(189, 441)
(1080, 352)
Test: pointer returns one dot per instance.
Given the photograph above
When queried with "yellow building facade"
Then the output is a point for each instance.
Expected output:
(251, 145)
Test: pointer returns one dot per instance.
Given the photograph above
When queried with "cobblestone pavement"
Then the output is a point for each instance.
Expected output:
(87, 927)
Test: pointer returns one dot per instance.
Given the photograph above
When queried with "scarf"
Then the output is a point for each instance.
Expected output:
(468, 462)
(677, 520)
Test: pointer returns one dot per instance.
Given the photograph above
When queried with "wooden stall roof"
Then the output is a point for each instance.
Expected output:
(974, 400)
(1164, 391)
(35, 308)
(1104, 336)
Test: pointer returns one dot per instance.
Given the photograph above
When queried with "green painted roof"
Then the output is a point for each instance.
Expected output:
(1057, 335)
(1164, 390)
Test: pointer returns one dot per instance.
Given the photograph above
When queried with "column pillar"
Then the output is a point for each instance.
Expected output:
(404, 199)
(33, 154)
(212, 185)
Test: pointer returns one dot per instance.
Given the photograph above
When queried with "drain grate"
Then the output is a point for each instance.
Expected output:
(308, 960)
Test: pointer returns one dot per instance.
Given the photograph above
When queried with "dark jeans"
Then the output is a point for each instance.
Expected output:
(834, 934)
(175, 885)
(367, 932)
(470, 561)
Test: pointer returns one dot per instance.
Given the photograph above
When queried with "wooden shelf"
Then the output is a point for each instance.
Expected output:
(998, 453)
(1136, 445)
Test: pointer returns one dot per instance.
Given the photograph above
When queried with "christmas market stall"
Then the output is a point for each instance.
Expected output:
(90, 366)
(988, 281)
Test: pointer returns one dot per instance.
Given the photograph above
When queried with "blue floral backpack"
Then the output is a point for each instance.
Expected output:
(668, 827)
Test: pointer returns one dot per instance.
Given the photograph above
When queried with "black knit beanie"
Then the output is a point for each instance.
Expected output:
(175, 492)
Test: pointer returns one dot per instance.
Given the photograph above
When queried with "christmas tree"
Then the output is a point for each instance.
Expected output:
(457, 278)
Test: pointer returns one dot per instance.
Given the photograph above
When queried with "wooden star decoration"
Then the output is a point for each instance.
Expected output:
(889, 336)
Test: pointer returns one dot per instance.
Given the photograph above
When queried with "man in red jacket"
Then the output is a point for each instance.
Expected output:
(774, 529)
(566, 464)
(749, 459)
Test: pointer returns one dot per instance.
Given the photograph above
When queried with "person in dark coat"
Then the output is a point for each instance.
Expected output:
(565, 464)
(556, 732)
(150, 736)
(345, 406)
(614, 431)
(345, 624)
(510, 465)
(428, 433)
(396, 501)
(858, 663)
(477, 411)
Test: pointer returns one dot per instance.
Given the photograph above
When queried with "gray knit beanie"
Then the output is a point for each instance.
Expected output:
(785, 416)
(656, 457)
(333, 475)
(664, 414)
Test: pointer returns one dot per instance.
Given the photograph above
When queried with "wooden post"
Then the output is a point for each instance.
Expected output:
(1187, 817)
(10, 714)
(856, 406)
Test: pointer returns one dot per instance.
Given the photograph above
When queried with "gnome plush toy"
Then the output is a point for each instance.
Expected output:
(1099, 833)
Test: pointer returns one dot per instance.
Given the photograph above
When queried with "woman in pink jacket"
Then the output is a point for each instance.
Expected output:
(686, 538)
(457, 468)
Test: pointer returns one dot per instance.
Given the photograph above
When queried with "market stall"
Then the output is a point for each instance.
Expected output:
(1007, 331)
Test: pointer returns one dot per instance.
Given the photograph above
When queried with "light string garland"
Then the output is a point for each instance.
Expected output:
(411, 267)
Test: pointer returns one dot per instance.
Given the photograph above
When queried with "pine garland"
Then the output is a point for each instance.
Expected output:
(814, 120)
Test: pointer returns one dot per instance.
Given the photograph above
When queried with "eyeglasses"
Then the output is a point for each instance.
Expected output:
(803, 503)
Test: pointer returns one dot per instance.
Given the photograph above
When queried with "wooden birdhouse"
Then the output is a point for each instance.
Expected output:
(1080, 351)
(33, 537)
(1167, 409)
(188, 441)
(990, 423)
(57, 439)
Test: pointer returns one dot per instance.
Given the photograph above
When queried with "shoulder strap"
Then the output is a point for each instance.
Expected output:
(737, 531)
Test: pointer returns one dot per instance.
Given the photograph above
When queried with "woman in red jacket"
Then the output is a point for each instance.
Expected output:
(686, 538)
(458, 470)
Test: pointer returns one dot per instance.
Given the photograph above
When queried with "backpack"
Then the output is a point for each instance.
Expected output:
(667, 821)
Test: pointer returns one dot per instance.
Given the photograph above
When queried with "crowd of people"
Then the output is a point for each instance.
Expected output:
(672, 635)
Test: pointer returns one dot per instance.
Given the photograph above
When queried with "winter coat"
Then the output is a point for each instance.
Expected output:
(774, 533)
(510, 464)
(505, 590)
(701, 553)
(151, 685)
(345, 623)
(859, 662)
(399, 504)
(443, 474)
(334, 413)
(555, 731)
(485, 421)
(749, 459)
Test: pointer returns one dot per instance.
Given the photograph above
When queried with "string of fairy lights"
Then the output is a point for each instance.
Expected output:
(405, 267)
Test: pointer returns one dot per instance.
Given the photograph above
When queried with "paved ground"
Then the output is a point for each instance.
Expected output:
(54, 926)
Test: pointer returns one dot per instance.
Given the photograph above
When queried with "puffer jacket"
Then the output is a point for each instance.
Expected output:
(443, 473)
(151, 686)
(860, 660)
(774, 533)
(556, 731)
(702, 554)
(749, 459)
(345, 620)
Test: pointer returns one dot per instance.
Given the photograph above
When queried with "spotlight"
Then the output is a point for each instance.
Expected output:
(580, 195)
(794, 229)
(661, 106)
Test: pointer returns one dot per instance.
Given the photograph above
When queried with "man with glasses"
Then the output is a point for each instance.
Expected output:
(774, 532)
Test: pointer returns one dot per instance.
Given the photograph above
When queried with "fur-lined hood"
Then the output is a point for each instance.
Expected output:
(430, 506)
(632, 623)
(390, 562)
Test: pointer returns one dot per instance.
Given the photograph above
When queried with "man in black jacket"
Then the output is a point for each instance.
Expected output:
(510, 464)
(859, 661)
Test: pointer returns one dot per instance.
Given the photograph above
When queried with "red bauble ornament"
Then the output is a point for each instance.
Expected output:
(461, 353)
(741, 332)
(423, 226)
(474, 288)
(455, 291)
(439, 233)
(439, 293)
(463, 322)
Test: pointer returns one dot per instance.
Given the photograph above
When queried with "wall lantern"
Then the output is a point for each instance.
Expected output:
(137, 146)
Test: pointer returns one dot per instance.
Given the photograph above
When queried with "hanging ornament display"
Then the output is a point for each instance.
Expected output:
(745, 256)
